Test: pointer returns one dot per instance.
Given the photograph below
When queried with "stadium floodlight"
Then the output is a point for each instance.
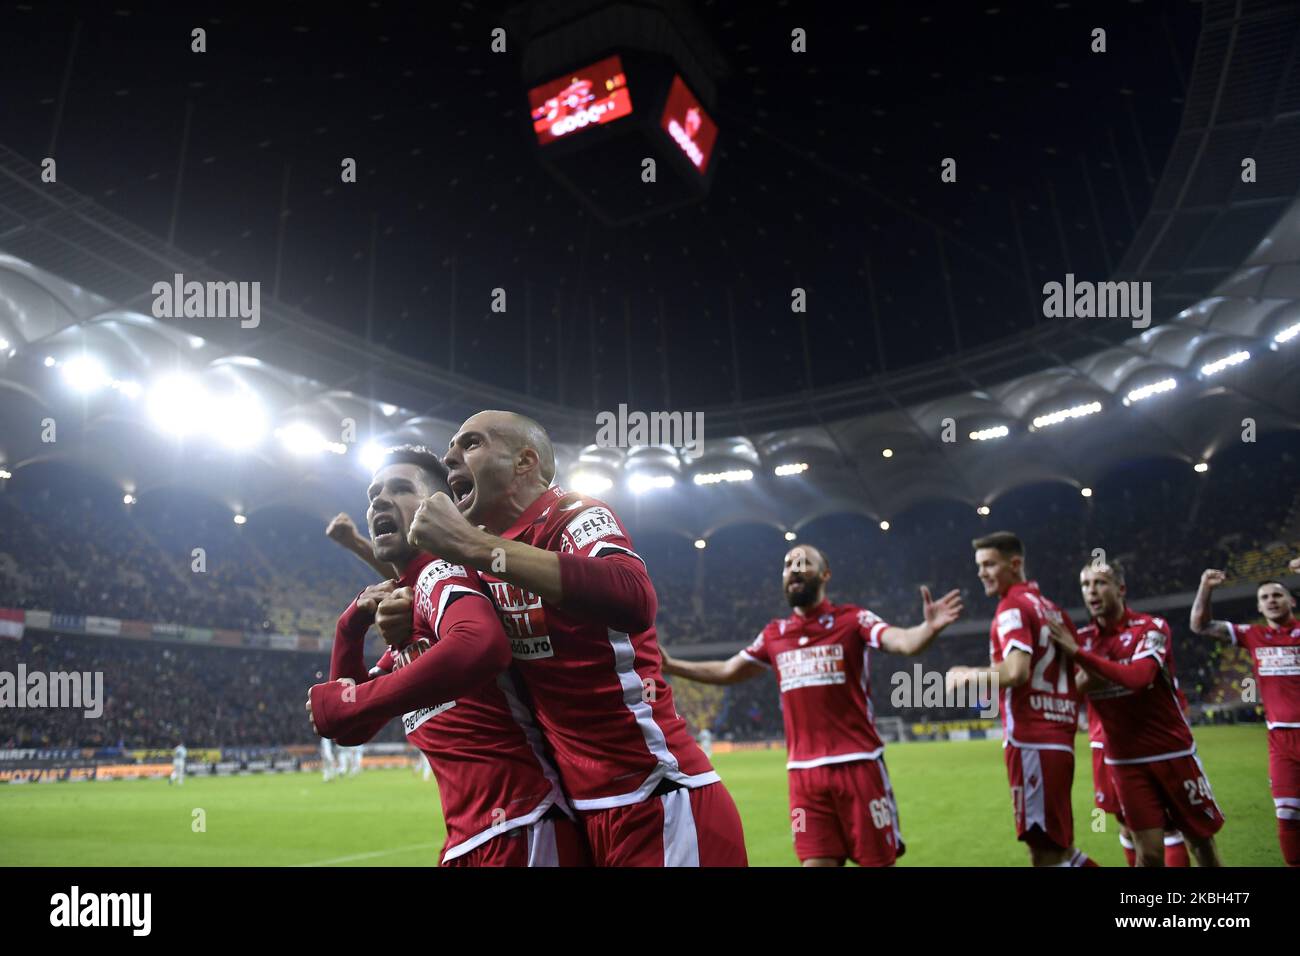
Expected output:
(84, 373)
(701, 544)
(1065, 414)
(1201, 467)
(988, 434)
(5, 474)
(178, 404)
(1146, 391)
(128, 388)
(640, 484)
(241, 519)
(1286, 335)
(887, 452)
(4, 344)
(717, 477)
(982, 511)
(49, 361)
(1228, 361)
(590, 483)
(128, 499)
(795, 468)
(1086, 492)
(237, 420)
(790, 536)
(388, 410)
(884, 526)
(300, 439)
(371, 455)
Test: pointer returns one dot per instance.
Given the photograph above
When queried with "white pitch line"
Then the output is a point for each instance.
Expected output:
(369, 856)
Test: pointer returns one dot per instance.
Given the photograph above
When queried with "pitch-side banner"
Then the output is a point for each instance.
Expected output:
(105, 626)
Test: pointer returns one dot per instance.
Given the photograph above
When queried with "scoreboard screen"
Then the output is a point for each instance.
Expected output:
(587, 97)
(687, 124)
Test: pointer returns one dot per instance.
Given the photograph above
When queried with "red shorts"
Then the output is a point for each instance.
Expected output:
(554, 840)
(1041, 781)
(1103, 787)
(845, 811)
(1170, 793)
(1284, 771)
(697, 826)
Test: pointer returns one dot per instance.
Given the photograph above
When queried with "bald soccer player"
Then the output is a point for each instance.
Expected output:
(842, 806)
(579, 610)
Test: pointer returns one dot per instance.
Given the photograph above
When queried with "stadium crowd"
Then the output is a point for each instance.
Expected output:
(68, 544)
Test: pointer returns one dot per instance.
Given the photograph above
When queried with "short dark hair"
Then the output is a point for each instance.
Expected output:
(424, 458)
(1006, 542)
(1111, 566)
(1271, 581)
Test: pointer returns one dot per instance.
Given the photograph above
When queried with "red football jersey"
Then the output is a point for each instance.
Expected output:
(1088, 640)
(823, 668)
(599, 694)
(1141, 725)
(486, 751)
(1042, 713)
(1275, 655)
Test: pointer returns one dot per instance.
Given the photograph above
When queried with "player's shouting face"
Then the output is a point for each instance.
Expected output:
(1101, 594)
(1275, 602)
(804, 576)
(395, 493)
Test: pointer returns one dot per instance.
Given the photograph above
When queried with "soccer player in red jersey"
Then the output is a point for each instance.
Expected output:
(1037, 701)
(501, 797)
(841, 803)
(1149, 755)
(1274, 648)
(579, 609)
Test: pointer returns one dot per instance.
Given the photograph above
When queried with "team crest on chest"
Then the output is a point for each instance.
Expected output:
(827, 621)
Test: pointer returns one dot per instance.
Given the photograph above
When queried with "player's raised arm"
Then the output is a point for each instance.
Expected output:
(935, 616)
(612, 586)
(344, 533)
(470, 651)
(733, 670)
(1202, 621)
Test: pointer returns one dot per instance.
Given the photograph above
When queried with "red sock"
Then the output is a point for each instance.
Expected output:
(1176, 854)
(1288, 834)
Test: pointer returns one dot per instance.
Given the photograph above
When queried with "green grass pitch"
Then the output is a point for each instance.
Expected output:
(953, 801)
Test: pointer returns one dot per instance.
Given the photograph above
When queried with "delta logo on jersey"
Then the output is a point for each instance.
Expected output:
(811, 667)
(435, 571)
(523, 619)
(1278, 661)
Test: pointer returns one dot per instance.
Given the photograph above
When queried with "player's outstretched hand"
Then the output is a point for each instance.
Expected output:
(1212, 578)
(1062, 636)
(368, 600)
(310, 717)
(393, 617)
(440, 529)
(939, 614)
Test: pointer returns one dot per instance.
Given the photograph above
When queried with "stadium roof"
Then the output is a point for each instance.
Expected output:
(1223, 257)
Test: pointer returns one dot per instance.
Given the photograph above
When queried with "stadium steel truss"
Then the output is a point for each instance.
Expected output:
(1222, 255)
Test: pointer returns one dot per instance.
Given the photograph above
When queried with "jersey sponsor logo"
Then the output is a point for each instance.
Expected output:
(531, 648)
(1278, 661)
(811, 667)
(1155, 641)
(592, 525)
(439, 570)
(523, 618)
(1053, 707)
(1008, 621)
(412, 721)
